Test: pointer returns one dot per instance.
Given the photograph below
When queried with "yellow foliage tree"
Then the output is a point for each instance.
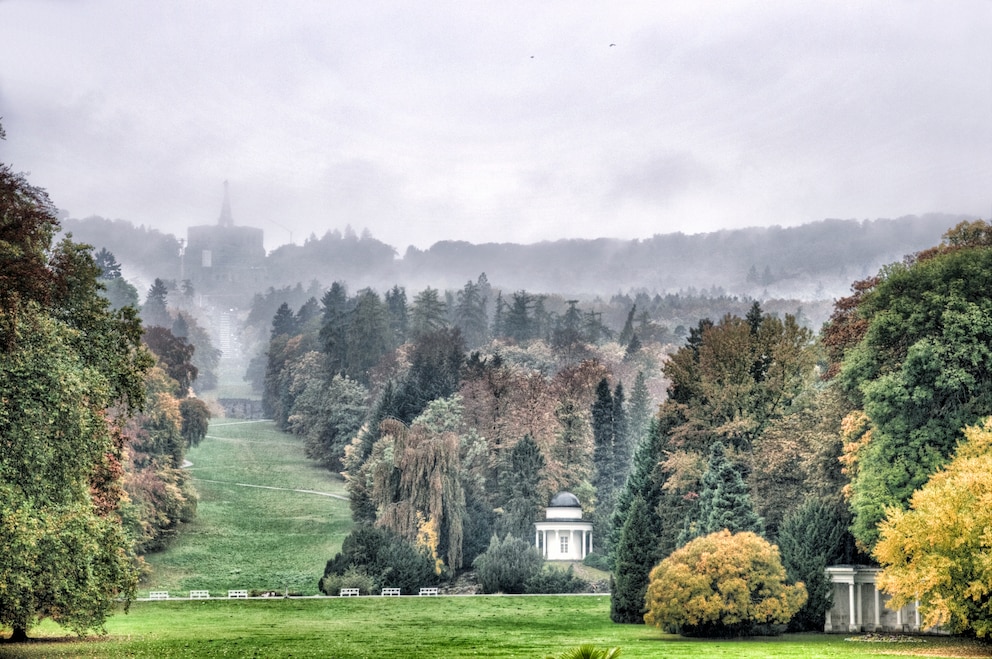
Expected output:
(940, 550)
(428, 539)
(722, 584)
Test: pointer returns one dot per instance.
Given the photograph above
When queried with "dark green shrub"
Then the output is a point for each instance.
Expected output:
(353, 577)
(507, 565)
(554, 581)
(388, 559)
(597, 561)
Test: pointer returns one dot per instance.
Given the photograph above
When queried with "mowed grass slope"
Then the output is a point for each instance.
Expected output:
(451, 627)
(267, 518)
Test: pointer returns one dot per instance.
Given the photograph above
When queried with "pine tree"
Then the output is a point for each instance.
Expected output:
(470, 314)
(283, 323)
(638, 410)
(398, 316)
(428, 313)
(602, 432)
(623, 447)
(814, 536)
(334, 325)
(367, 336)
(627, 333)
(635, 554)
(724, 501)
(644, 482)
(154, 311)
(521, 482)
(518, 323)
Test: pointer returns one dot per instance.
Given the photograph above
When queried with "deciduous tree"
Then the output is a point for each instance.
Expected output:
(939, 551)
(722, 584)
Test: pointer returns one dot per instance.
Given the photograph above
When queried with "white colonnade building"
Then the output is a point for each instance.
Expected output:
(563, 535)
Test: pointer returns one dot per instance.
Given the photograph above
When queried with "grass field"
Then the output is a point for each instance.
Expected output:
(264, 519)
(471, 626)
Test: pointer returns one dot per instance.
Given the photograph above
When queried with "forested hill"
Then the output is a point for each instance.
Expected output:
(812, 261)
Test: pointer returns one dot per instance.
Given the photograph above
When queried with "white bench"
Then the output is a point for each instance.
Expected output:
(428, 591)
(349, 592)
(390, 592)
(199, 594)
(237, 594)
(158, 595)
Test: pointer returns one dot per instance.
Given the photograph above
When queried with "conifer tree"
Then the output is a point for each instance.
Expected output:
(429, 312)
(623, 447)
(154, 310)
(398, 315)
(334, 324)
(521, 483)
(638, 410)
(811, 538)
(283, 323)
(644, 482)
(627, 333)
(470, 314)
(636, 553)
(724, 501)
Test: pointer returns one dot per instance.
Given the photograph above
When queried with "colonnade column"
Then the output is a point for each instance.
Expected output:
(850, 596)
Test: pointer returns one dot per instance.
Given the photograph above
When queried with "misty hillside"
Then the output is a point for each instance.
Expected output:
(808, 262)
(812, 261)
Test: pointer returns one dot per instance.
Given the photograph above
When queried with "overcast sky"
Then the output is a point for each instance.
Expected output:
(499, 121)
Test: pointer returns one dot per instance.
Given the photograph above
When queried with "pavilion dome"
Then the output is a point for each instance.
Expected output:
(565, 500)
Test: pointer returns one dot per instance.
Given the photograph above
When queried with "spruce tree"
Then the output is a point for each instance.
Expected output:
(334, 326)
(283, 323)
(623, 447)
(638, 410)
(724, 501)
(604, 457)
(521, 484)
(812, 537)
(636, 553)
(154, 310)
(398, 317)
(643, 482)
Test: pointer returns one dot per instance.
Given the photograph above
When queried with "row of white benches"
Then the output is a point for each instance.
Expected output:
(197, 594)
(387, 592)
(243, 594)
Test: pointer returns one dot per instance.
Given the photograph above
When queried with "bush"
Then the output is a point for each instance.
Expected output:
(722, 584)
(507, 565)
(353, 577)
(388, 559)
(812, 537)
(597, 561)
(555, 581)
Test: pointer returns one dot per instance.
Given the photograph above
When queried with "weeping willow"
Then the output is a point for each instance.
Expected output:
(420, 478)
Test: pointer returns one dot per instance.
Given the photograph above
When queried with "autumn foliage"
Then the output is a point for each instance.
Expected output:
(722, 584)
(940, 551)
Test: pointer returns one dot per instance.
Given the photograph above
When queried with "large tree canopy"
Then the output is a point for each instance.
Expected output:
(921, 371)
(939, 552)
(66, 360)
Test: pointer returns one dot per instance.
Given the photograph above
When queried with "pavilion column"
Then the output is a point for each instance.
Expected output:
(861, 605)
(852, 626)
(878, 617)
(916, 608)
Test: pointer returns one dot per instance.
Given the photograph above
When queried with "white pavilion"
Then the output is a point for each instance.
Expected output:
(562, 535)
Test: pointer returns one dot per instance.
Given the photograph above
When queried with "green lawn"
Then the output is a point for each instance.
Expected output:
(246, 535)
(469, 626)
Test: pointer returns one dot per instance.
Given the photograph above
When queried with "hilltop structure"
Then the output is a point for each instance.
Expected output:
(225, 263)
(563, 535)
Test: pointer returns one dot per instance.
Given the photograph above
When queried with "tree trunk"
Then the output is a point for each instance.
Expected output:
(19, 635)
